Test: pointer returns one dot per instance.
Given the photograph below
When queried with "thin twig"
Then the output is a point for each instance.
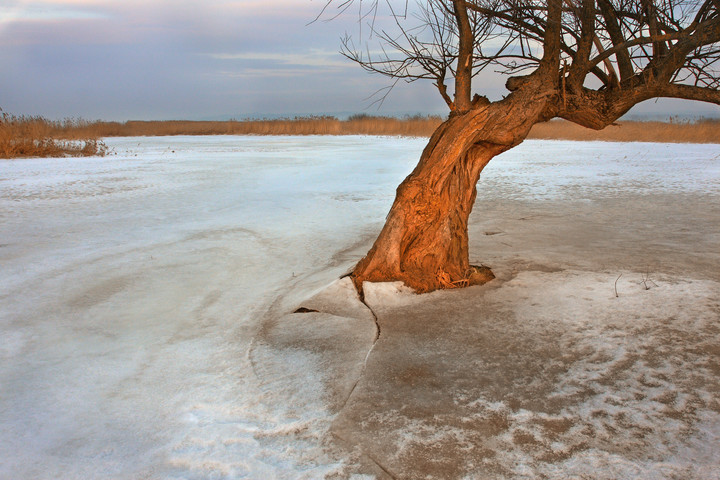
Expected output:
(646, 279)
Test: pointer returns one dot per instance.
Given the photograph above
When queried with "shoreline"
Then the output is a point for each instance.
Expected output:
(700, 131)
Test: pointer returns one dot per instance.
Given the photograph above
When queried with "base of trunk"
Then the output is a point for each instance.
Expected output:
(474, 275)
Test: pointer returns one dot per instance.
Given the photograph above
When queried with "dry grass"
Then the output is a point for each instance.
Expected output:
(701, 131)
(355, 125)
(23, 136)
(36, 136)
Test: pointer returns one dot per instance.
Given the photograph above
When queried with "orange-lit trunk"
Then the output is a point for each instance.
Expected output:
(424, 242)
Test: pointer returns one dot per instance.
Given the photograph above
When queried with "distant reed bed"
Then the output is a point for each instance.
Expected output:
(700, 131)
(317, 125)
(25, 136)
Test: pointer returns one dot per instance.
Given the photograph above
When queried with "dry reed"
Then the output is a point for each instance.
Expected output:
(319, 125)
(701, 131)
(23, 136)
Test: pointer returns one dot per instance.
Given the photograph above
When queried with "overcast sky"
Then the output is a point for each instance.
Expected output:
(189, 59)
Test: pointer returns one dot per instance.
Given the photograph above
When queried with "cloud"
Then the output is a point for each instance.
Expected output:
(36, 14)
(124, 59)
(266, 73)
(314, 58)
(50, 10)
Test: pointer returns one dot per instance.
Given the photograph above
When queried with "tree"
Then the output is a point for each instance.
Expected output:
(587, 61)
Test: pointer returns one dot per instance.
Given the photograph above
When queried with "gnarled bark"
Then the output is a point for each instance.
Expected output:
(424, 242)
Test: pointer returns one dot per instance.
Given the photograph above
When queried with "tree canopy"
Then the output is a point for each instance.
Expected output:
(599, 57)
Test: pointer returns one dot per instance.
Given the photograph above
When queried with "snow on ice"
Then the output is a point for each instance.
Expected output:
(146, 325)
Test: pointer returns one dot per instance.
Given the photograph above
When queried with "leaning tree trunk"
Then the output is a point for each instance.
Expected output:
(424, 242)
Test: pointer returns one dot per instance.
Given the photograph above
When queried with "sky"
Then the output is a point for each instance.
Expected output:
(215, 59)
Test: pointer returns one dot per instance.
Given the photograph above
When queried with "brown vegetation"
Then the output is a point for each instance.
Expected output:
(23, 136)
(26, 136)
(700, 131)
(315, 125)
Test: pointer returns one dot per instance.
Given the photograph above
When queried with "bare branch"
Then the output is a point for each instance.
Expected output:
(690, 92)
(550, 61)
(588, 36)
(612, 25)
(463, 75)
(637, 49)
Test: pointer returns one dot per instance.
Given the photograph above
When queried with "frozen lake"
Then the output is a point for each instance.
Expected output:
(132, 286)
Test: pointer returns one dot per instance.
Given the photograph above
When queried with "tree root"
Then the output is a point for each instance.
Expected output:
(475, 275)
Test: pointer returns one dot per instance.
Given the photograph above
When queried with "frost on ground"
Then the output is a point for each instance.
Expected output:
(546, 375)
(147, 326)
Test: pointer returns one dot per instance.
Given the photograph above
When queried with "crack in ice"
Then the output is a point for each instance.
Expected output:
(378, 331)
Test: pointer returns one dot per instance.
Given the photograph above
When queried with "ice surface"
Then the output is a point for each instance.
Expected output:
(572, 170)
(146, 327)
(132, 286)
(547, 375)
